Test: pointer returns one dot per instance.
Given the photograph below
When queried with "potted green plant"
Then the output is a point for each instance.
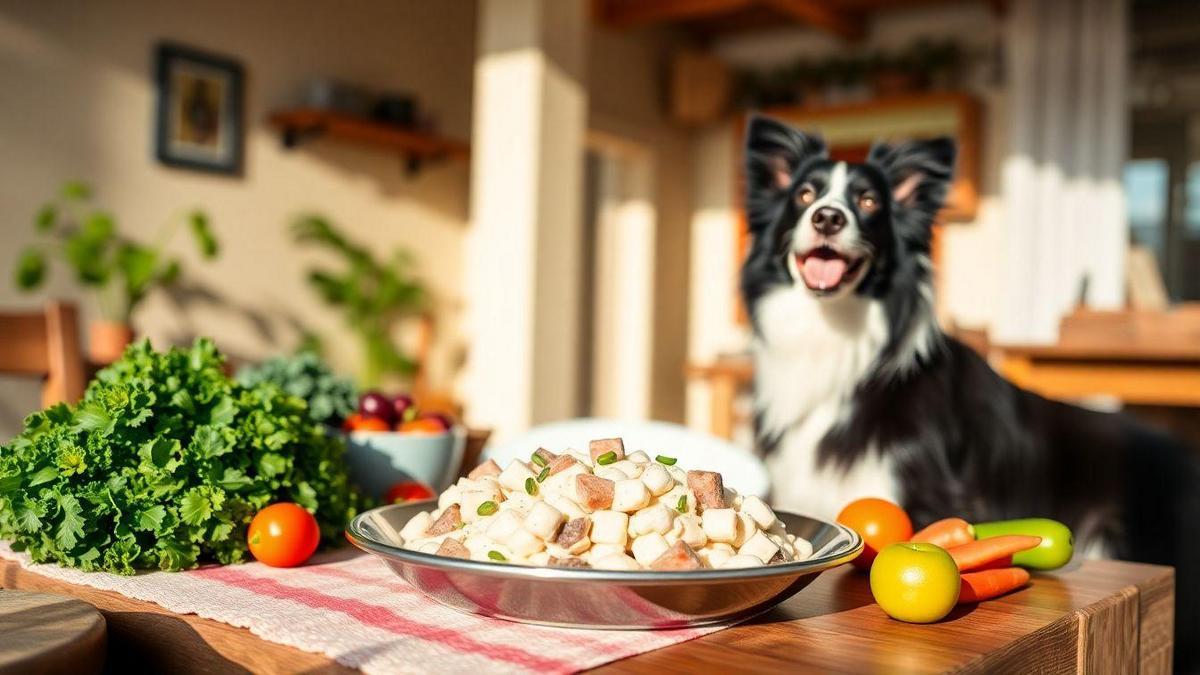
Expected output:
(373, 295)
(119, 270)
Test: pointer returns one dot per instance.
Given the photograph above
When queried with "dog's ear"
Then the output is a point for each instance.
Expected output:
(919, 173)
(774, 151)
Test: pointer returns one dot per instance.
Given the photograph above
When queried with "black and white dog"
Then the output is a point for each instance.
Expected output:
(859, 393)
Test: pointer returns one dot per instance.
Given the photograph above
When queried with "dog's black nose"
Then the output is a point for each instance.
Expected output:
(828, 220)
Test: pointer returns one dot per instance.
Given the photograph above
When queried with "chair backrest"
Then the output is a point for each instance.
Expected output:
(45, 344)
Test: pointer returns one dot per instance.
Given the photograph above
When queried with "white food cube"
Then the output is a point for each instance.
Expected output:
(583, 457)
(524, 543)
(648, 547)
(616, 562)
(638, 457)
(611, 473)
(716, 554)
(656, 518)
(759, 546)
(503, 525)
(628, 468)
(732, 498)
(610, 527)
(567, 507)
(720, 525)
(521, 502)
(416, 526)
(514, 475)
(604, 550)
(742, 561)
(630, 495)
(543, 520)
(757, 509)
(657, 480)
(540, 558)
(692, 532)
(677, 474)
(471, 501)
(450, 496)
(745, 529)
(671, 499)
(803, 549)
(430, 546)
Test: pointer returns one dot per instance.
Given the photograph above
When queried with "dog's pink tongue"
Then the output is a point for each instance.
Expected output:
(823, 272)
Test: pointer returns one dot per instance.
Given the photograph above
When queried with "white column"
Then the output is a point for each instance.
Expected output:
(523, 253)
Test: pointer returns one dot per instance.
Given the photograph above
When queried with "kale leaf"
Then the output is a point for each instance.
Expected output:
(163, 464)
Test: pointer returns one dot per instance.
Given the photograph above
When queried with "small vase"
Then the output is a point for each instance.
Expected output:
(107, 340)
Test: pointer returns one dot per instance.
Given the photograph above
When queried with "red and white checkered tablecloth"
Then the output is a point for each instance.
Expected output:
(352, 608)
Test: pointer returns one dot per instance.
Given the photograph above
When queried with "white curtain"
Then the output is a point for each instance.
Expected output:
(1064, 213)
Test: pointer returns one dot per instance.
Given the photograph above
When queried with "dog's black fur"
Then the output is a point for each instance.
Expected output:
(963, 441)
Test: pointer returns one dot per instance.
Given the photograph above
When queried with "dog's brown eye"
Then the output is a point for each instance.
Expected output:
(807, 195)
(867, 202)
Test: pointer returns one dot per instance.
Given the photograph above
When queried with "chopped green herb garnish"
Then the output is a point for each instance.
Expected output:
(663, 459)
(542, 476)
(487, 508)
(497, 555)
(607, 458)
(538, 459)
(682, 505)
(531, 486)
(460, 526)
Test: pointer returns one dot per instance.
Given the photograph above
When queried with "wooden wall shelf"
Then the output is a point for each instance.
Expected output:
(416, 147)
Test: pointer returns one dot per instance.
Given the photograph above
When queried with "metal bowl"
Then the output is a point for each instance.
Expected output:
(588, 598)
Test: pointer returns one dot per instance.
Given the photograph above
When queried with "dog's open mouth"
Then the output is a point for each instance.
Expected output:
(825, 270)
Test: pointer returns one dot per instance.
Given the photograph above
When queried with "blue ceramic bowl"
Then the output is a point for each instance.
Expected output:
(380, 459)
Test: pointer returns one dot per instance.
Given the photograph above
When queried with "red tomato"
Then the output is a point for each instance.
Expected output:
(879, 522)
(408, 491)
(283, 535)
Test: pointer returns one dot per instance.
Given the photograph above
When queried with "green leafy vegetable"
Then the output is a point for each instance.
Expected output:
(497, 556)
(668, 461)
(487, 508)
(531, 486)
(538, 459)
(162, 466)
(682, 505)
(330, 398)
(607, 458)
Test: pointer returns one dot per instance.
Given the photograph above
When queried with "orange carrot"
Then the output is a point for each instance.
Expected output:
(976, 586)
(998, 563)
(946, 533)
(971, 556)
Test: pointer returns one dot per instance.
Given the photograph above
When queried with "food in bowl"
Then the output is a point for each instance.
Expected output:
(378, 412)
(604, 510)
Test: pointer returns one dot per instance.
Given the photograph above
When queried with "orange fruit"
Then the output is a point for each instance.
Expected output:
(879, 522)
(426, 425)
(370, 424)
(915, 582)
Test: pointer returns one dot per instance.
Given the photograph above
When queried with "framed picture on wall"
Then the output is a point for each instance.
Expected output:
(199, 109)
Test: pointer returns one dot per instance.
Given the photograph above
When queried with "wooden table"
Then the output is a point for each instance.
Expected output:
(48, 633)
(1095, 617)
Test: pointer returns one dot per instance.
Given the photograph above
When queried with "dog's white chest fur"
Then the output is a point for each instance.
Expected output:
(810, 357)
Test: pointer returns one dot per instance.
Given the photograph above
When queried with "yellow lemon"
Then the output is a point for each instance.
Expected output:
(915, 582)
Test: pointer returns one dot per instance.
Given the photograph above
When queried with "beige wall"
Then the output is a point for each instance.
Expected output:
(78, 102)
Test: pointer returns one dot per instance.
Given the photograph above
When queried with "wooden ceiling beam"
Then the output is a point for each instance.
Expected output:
(821, 15)
(630, 13)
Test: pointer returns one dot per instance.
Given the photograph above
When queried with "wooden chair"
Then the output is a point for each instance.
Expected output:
(45, 344)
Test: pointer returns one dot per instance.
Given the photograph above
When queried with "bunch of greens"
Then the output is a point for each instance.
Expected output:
(372, 294)
(120, 270)
(163, 464)
(330, 398)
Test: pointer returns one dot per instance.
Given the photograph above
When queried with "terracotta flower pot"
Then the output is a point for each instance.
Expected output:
(107, 340)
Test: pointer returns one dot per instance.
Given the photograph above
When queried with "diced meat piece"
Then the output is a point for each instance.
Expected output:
(546, 455)
(569, 561)
(561, 463)
(488, 468)
(449, 521)
(575, 530)
(606, 445)
(594, 492)
(679, 557)
(777, 558)
(453, 548)
(708, 488)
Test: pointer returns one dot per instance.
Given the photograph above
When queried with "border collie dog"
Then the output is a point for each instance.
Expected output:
(859, 393)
